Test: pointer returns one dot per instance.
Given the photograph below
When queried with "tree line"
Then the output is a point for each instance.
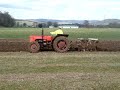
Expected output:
(6, 20)
(48, 24)
(86, 24)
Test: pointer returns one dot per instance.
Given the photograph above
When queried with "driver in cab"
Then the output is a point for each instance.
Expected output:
(59, 31)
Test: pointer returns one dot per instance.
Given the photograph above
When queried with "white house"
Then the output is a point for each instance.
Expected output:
(27, 22)
(51, 26)
(68, 26)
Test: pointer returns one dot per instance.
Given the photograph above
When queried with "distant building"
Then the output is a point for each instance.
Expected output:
(66, 23)
(51, 26)
(26, 23)
(68, 26)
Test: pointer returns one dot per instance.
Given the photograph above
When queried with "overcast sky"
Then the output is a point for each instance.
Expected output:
(62, 9)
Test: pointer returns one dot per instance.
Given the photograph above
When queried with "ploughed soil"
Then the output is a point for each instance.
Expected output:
(13, 45)
(108, 46)
(16, 45)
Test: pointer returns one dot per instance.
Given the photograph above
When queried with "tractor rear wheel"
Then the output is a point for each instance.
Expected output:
(34, 47)
(61, 44)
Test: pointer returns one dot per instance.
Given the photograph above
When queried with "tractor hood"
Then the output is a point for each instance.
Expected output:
(34, 38)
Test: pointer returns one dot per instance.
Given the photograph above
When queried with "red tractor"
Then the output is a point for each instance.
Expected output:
(59, 43)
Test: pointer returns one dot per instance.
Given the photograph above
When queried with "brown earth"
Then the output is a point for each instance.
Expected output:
(108, 46)
(13, 45)
(16, 45)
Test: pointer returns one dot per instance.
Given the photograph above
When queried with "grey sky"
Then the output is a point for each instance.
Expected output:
(62, 9)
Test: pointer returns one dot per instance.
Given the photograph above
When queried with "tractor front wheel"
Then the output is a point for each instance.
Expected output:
(61, 44)
(34, 47)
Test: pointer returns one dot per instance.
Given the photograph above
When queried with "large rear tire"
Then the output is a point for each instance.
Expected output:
(34, 47)
(61, 44)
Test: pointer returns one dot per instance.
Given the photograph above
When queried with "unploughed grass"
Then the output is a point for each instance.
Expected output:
(100, 33)
(60, 71)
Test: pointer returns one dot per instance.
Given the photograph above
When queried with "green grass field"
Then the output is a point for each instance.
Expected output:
(59, 71)
(100, 33)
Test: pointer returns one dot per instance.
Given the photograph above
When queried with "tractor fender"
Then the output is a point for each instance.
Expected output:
(59, 35)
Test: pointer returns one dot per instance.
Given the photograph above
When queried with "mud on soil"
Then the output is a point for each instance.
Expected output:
(108, 46)
(13, 45)
(16, 45)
